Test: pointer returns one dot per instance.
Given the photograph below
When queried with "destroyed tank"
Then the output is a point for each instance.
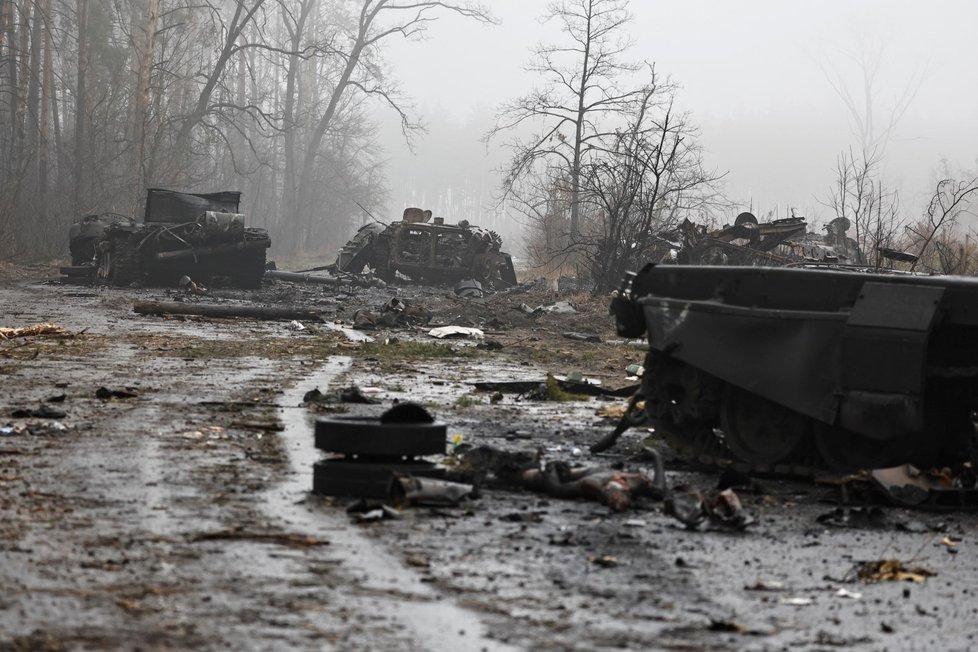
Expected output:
(428, 250)
(794, 368)
(202, 236)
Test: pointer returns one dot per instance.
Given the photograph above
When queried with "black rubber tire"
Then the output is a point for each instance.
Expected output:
(364, 479)
(368, 436)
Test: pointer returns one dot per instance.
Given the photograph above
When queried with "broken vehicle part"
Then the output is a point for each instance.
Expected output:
(777, 366)
(371, 436)
(435, 252)
(721, 509)
(908, 486)
(201, 235)
(413, 490)
(365, 478)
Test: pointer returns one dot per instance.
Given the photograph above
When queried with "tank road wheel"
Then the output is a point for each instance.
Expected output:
(845, 451)
(758, 431)
(118, 262)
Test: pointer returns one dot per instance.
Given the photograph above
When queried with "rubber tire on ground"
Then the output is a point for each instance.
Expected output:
(364, 479)
(368, 436)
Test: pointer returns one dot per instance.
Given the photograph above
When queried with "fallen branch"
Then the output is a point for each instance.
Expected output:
(209, 310)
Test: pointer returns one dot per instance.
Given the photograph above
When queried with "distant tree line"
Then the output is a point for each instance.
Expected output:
(101, 99)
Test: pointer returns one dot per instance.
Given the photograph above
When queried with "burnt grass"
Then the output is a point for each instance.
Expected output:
(179, 516)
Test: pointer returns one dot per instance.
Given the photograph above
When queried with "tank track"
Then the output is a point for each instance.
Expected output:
(690, 426)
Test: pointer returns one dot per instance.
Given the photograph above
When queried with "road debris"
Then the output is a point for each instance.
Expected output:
(367, 452)
(465, 332)
(33, 331)
(105, 393)
(409, 490)
(224, 311)
(719, 509)
(891, 570)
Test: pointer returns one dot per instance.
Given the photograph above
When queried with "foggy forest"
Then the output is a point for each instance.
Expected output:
(280, 99)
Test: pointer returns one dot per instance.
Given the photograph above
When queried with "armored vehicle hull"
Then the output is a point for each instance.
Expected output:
(782, 366)
(425, 252)
(202, 236)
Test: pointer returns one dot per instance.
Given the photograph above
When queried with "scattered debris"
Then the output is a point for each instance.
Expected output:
(410, 490)
(721, 509)
(605, 561)
(105, 393)
(854, 517)
(582, 337)
(469, 289)
(187, 284)
(908, 486)
(32, 331)
(351, 394)
(846, 593)
(891, 570)
(457, 331)
(43, 412)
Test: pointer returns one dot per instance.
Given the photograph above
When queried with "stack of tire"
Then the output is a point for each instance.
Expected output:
(364, 453)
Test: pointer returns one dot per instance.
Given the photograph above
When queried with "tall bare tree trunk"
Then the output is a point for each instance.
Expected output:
(290, 190)
(44, 118)
(82, 156)
(143, 48)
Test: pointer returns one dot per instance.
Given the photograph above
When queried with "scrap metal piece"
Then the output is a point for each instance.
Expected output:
(908, 486)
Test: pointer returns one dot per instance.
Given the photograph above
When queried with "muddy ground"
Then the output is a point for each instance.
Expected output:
(180, 516)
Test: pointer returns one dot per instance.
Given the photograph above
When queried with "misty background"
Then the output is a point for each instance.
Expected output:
(759, 76)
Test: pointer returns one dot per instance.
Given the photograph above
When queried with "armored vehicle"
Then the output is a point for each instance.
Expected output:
(774, 367)
(202, 236)
(429, 252)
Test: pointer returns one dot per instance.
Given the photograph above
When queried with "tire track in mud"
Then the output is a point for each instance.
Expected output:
(379, 581)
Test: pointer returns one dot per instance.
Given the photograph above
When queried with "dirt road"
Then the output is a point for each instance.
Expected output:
(173, 512)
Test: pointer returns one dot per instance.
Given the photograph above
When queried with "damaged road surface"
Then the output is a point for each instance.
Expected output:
(155, 493)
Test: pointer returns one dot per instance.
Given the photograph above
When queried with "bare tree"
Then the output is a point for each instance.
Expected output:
(861, 198)
(646, 178)
(572, 111)
(952, 198)
(358, 49)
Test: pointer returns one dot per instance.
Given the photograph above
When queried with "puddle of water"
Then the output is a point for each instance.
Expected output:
(349, 333)
(431, 619)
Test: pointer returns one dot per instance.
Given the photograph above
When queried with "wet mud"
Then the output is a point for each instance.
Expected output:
(180, 517)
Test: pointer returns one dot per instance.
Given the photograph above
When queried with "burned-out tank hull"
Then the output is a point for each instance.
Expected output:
(182, 234)
(781, 366)
(435, 252)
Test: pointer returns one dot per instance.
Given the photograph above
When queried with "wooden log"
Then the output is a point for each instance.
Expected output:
(223, 311)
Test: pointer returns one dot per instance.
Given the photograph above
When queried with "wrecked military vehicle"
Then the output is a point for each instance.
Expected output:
(749, 242)
(428, 250)
(781, 368)
(202, 236)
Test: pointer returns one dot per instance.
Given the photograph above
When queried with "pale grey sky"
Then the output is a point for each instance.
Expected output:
(754, 75)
